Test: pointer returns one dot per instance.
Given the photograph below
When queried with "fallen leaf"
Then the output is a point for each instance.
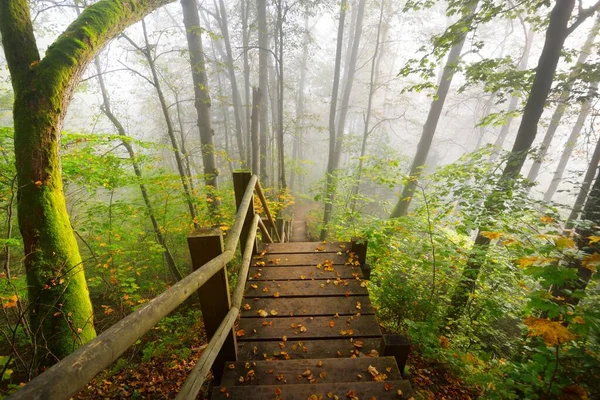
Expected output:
(240, 333)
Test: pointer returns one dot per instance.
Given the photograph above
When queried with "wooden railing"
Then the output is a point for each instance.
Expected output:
(209, 259)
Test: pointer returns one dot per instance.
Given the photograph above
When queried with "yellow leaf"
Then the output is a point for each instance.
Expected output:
(546, 219)
(564, 243)
(578, 320)
(591, 262)
(552, 332)
(491, 235)
(594, 239)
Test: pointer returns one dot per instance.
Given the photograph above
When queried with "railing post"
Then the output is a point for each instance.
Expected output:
(359, 248)
(397, 346)
(240, 183)
(215, 302)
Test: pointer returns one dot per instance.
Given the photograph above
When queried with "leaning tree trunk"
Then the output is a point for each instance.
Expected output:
(556, 34)
(235, 93)
(585, 186)
(160, 238)
(586, 107)
(563, 102)
(61, 310)
(435, 111)
(330, 180)
(366, 131)
(186, 181)
(201, 101)
(514, 100)
(263, 54)
(349, 81)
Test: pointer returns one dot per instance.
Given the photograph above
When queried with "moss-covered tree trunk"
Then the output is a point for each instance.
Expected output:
(61, 310)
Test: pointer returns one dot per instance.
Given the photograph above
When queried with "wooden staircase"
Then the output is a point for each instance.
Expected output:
(307, 330)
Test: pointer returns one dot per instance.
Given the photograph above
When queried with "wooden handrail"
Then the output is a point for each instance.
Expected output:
(197, 376)
(72, 373)
(263, 200)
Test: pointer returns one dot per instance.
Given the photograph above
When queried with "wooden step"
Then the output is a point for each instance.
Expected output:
(308, 348)
(304, 272)
(286, 260)
(302, 328)
(306, 288)
(396, 390)
(304, 247)
(332, 370)
(309, 306)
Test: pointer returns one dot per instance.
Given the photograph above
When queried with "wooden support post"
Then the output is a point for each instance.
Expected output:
(397, 346)
(280, 226)
(359, 248)
(215, 301)
(240, 183)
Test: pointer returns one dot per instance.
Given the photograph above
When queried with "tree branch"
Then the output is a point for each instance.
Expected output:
(583, 15)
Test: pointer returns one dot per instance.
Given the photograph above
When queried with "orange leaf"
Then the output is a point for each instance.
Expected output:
(240, 333)
(552, 332)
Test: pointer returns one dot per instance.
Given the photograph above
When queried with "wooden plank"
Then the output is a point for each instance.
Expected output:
(302, 328)
(286, 260)
(305, 247)
(306, 288)
(361, 390)
(332, 370)
(306, 349)
(309, 306)
(304, 272)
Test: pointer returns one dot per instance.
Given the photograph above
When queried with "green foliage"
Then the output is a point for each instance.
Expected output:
(514, 329)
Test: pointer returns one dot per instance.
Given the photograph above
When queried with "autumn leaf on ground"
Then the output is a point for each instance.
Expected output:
(552, 332)
(240, 333)
(262, 313)
(247, 306)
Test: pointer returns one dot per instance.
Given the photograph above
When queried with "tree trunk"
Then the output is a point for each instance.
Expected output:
(160, 239)
(201, 101)
(186, 181)
(247, 105)
(263, 54)
(299, 123)
(235, 93)
(366, 131)
(256, 95)
(435, 111)
(61, 310)
(563, 102)
(556, 34)
(349, 81)
(280, 87)
(514, 100)
(586, 107)
(329, 184)
(585, 186)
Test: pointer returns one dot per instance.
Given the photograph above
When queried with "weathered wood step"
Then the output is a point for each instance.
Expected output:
(306, 272)
(306, 349)
(303, 328)
(305, 247)
(309, 306)
(287, 260)
(342, 391)
(306, 288)
(332, 370)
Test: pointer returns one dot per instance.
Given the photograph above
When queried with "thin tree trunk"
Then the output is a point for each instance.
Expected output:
(514, 100)
(160, 239)
(563, 102)
(280, 87)
(186, 156)
(235, 94)
(585, 185)
(366, 131)
(556, 34)
(570, 144)
(263, 54)
(299, 123)
(435, 111)
(351, 68)
(202, 102)
(329, 184)
(185, 179)
(254, 135)
(247, 106)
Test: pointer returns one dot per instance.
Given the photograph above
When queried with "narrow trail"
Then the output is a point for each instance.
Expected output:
(299, 228)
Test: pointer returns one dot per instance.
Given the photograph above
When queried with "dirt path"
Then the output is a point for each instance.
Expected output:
(299, 230)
